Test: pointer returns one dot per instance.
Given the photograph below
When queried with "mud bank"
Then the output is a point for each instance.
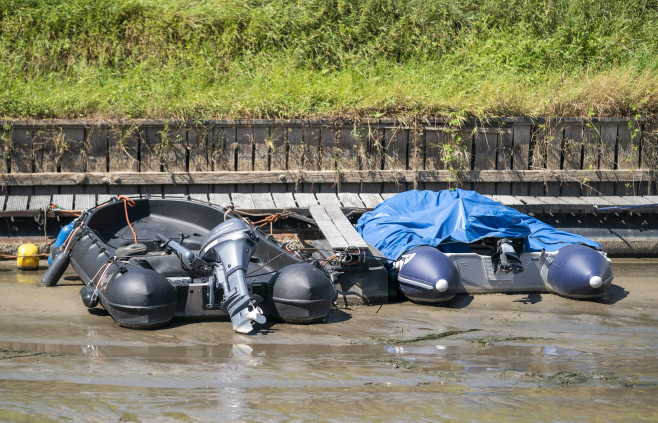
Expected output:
(486, 357)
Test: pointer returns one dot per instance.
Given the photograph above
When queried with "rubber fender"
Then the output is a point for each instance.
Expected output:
(60, 240)
(578, 271)
(138, 298)
(88, 297)
(426, 275)
(57, 269)
(302, 293)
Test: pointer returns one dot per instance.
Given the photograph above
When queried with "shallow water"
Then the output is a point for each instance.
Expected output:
(486, 357)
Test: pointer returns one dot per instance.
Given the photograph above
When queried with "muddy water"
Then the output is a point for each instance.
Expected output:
(483, 358)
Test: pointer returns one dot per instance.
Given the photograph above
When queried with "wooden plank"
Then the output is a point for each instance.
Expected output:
(96, 148)
(504, 158)
(652, 199)
(312, 144)
(328, 228)
(150, 149)
(123, 146)
(396, 141)
(47, 145)
(263, 201)
(345, 228)
(73, 155)
(245, 146)
(387, 195)
(417, 147)
(261, 148)
(39, 202)
(3, 200)
(64, 201)
(198, 148)
(223, 146)
(296, 148)
(220, 199)
(374, 148)
(572, 153)
(435, 139)
(199, 196)
(350, 199)
(327, 147)
(22, 154)
(84, 201)
(278, 140)
(103, 198)
(507, 200)
(284, 200)
(617, 200)
(305, 200)
(638, 201)
(628, 142)
(349, 147)
(370, 200)
(596, 201)
(123, 179)
(16, 203)
(242, 201)
(607, 159)
(327, 199)
(485, 144)
(521, 133)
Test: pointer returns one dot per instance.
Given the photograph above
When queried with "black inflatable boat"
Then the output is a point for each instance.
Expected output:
(149, 260)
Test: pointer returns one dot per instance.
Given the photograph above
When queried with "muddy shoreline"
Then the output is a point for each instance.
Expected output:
(496, 357)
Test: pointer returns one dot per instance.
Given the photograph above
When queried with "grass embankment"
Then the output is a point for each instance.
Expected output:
(302, 58)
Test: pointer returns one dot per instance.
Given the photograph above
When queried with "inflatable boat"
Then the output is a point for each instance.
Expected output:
(148, 260)
(456, 241)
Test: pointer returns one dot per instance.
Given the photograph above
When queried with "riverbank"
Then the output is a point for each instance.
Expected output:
(300, 59)
(495, 357)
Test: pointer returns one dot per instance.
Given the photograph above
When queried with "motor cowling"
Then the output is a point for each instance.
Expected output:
(426, 275)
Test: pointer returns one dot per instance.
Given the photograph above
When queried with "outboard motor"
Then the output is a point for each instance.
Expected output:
(232, 243)
(426, 275)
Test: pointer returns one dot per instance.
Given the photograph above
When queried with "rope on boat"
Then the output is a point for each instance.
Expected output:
(271, 219)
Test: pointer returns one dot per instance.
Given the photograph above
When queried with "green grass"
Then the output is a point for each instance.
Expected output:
(309, 58)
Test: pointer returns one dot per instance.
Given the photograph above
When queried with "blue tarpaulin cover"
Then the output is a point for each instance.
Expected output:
(452, 219)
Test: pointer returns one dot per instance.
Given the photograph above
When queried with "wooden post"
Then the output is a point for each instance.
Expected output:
(628, 157)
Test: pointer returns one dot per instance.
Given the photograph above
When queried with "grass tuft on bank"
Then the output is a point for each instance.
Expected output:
(308, 58)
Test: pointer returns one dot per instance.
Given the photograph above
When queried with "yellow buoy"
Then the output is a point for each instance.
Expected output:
(27, 257)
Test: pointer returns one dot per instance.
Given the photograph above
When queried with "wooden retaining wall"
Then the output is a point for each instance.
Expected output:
(521, 157)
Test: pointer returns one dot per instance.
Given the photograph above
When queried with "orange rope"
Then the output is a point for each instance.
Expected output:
(271, 219)
(127, 201)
